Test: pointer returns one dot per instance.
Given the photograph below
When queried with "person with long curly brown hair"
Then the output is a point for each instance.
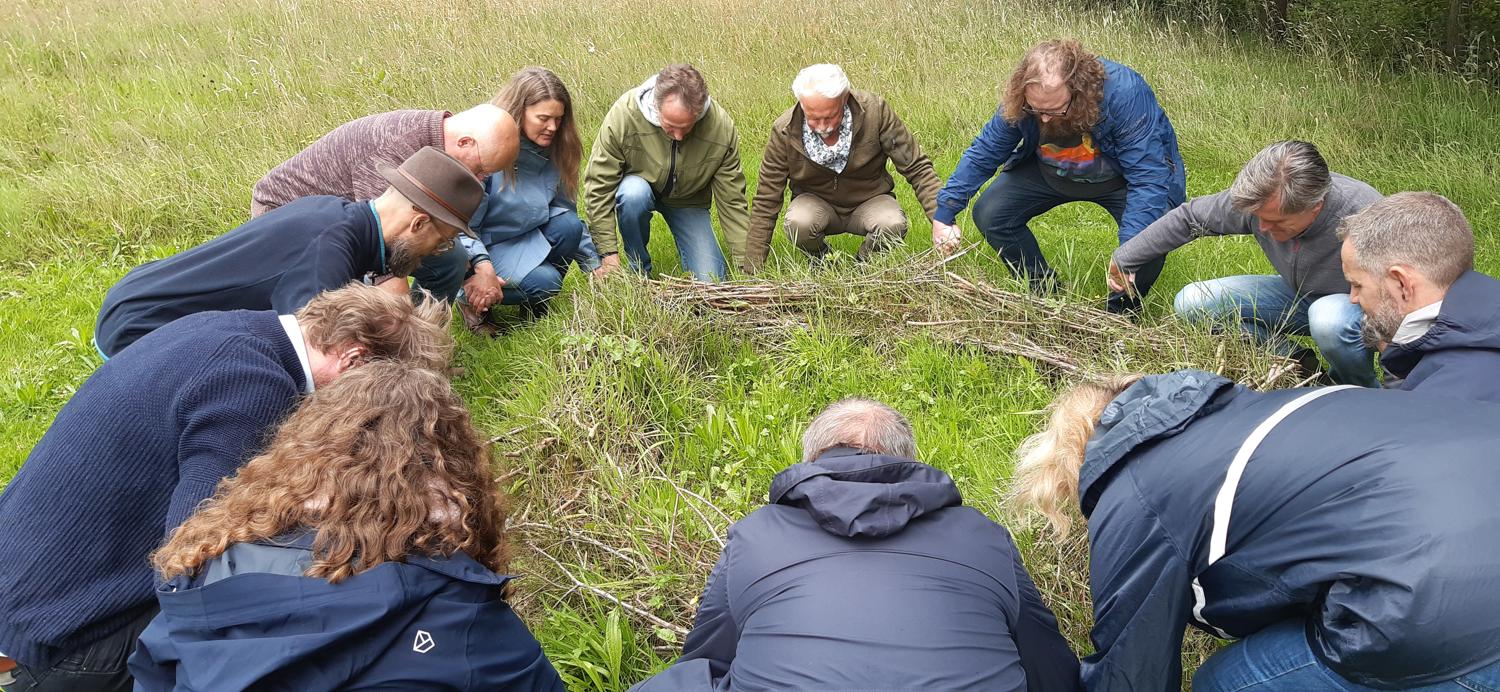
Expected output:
(1346, 537)
(362, 549)
(1072, 127)
(528, 224)
(146, 438)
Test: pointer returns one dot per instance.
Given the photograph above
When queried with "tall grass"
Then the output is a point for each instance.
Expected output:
(633, 432)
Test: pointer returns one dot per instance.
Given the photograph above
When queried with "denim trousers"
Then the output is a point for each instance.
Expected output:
(691, 229)
(1281, 658)
(563, 232)
(1265, 308)
(1021, 194)
(442, 274)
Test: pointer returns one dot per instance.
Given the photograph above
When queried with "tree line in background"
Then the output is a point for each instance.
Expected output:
(1458, 36)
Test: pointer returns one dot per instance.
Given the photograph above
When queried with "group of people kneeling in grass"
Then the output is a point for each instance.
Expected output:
(270, 483)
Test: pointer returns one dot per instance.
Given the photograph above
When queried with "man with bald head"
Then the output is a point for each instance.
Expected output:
(345, 163)
(866, 571)
(1073, 127)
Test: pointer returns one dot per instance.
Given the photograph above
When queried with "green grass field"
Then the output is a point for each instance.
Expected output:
(631, 432)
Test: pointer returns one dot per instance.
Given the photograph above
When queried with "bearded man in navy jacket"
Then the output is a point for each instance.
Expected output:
(146, 438)
(867, 572)
(1409, 259)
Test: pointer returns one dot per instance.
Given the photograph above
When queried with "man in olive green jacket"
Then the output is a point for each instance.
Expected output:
(832, 148)
(666, 147)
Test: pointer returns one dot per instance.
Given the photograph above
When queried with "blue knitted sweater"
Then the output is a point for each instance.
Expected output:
(146, 438)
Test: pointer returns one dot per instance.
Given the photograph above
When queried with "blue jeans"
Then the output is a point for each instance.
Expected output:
(1266, 309)
(443, 274)
(691, 228)
(563, 232)
(1280, 657)
(1021, 194)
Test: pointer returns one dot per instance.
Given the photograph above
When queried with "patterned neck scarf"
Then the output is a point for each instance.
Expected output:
(834, 157)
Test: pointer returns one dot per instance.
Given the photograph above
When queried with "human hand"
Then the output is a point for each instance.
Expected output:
(482, 290)
(608, 264)
(1118, 280)
(946, 237)
(394, 285)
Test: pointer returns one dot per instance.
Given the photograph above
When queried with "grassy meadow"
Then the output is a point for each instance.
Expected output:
(630, 429)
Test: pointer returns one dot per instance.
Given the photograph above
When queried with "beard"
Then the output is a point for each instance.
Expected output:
(1381, 322)
(1063, 127)
(403, 259)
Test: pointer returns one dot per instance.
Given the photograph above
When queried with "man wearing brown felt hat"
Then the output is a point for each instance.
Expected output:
(281, 259)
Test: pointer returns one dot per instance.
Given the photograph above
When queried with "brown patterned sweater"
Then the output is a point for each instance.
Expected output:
(343, 162)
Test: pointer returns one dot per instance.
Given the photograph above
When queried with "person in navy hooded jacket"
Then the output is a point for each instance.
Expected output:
(866, 572)
(1347, 537)
(1409, 259)
(1073, 127)
(362, 550)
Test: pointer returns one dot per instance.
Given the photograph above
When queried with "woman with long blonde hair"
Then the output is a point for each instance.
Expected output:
(529, 222)
(362, 549)
(1346, 536)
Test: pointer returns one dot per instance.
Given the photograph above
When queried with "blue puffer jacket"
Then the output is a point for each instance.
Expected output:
(1460, 355)
(1133, 130)
(867, 573)
(250, 621)
(509, 219)
(1368, 514)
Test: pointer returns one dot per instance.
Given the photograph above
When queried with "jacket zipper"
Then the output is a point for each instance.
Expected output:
(671, 173)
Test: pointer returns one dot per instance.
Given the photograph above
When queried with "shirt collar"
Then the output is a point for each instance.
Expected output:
(294, 332)
(379, 236)
(1416, 323)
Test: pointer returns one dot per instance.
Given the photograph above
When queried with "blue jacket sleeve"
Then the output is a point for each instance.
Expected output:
(1141, 586)
(994, 145)
(715, 634)
(1045, 656)
(1140, 148)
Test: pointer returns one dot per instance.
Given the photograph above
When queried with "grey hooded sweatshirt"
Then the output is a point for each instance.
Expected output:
(866, 572)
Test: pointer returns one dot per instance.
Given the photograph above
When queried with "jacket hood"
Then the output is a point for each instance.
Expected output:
(1469, 318)
(851, 493)
(1156, 406)
(646, 99)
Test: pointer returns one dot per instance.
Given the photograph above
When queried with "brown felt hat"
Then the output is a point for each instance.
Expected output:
(439, 185)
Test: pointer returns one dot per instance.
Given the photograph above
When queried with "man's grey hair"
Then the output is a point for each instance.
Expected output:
(862, 424)
(1293, 169)
(1421, 230)
(828, 81)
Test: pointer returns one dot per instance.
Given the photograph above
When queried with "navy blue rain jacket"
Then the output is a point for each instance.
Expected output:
(250, 621)
(1133, 131)
(867, 573)
(1368, 514)
(1460, 355)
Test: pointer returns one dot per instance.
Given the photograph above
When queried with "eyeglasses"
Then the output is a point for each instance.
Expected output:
(1051, 114)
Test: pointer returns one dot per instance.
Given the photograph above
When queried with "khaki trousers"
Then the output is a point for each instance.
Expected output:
(879, 219)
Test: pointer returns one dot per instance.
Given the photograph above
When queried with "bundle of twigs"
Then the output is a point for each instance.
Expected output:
(924, 298)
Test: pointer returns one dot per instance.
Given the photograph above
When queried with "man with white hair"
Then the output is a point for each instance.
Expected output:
(346, 163)
(867, 572)
(1409, 259)
(1288, 200)
(831, 147)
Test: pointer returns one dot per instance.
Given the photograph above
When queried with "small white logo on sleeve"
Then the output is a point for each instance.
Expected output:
(424, 642)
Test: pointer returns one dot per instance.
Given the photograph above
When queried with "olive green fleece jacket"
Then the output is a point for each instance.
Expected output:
(879, 135)
(708, 168)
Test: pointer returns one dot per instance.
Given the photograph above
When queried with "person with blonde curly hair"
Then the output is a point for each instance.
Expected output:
(1073, 127)
(143, 441)
(363, 549)
(1345, 536)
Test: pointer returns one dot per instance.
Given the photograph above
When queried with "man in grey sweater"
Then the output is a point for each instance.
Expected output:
(1289, 201)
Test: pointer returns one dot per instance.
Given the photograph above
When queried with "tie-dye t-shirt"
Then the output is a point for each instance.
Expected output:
(1075, 159)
